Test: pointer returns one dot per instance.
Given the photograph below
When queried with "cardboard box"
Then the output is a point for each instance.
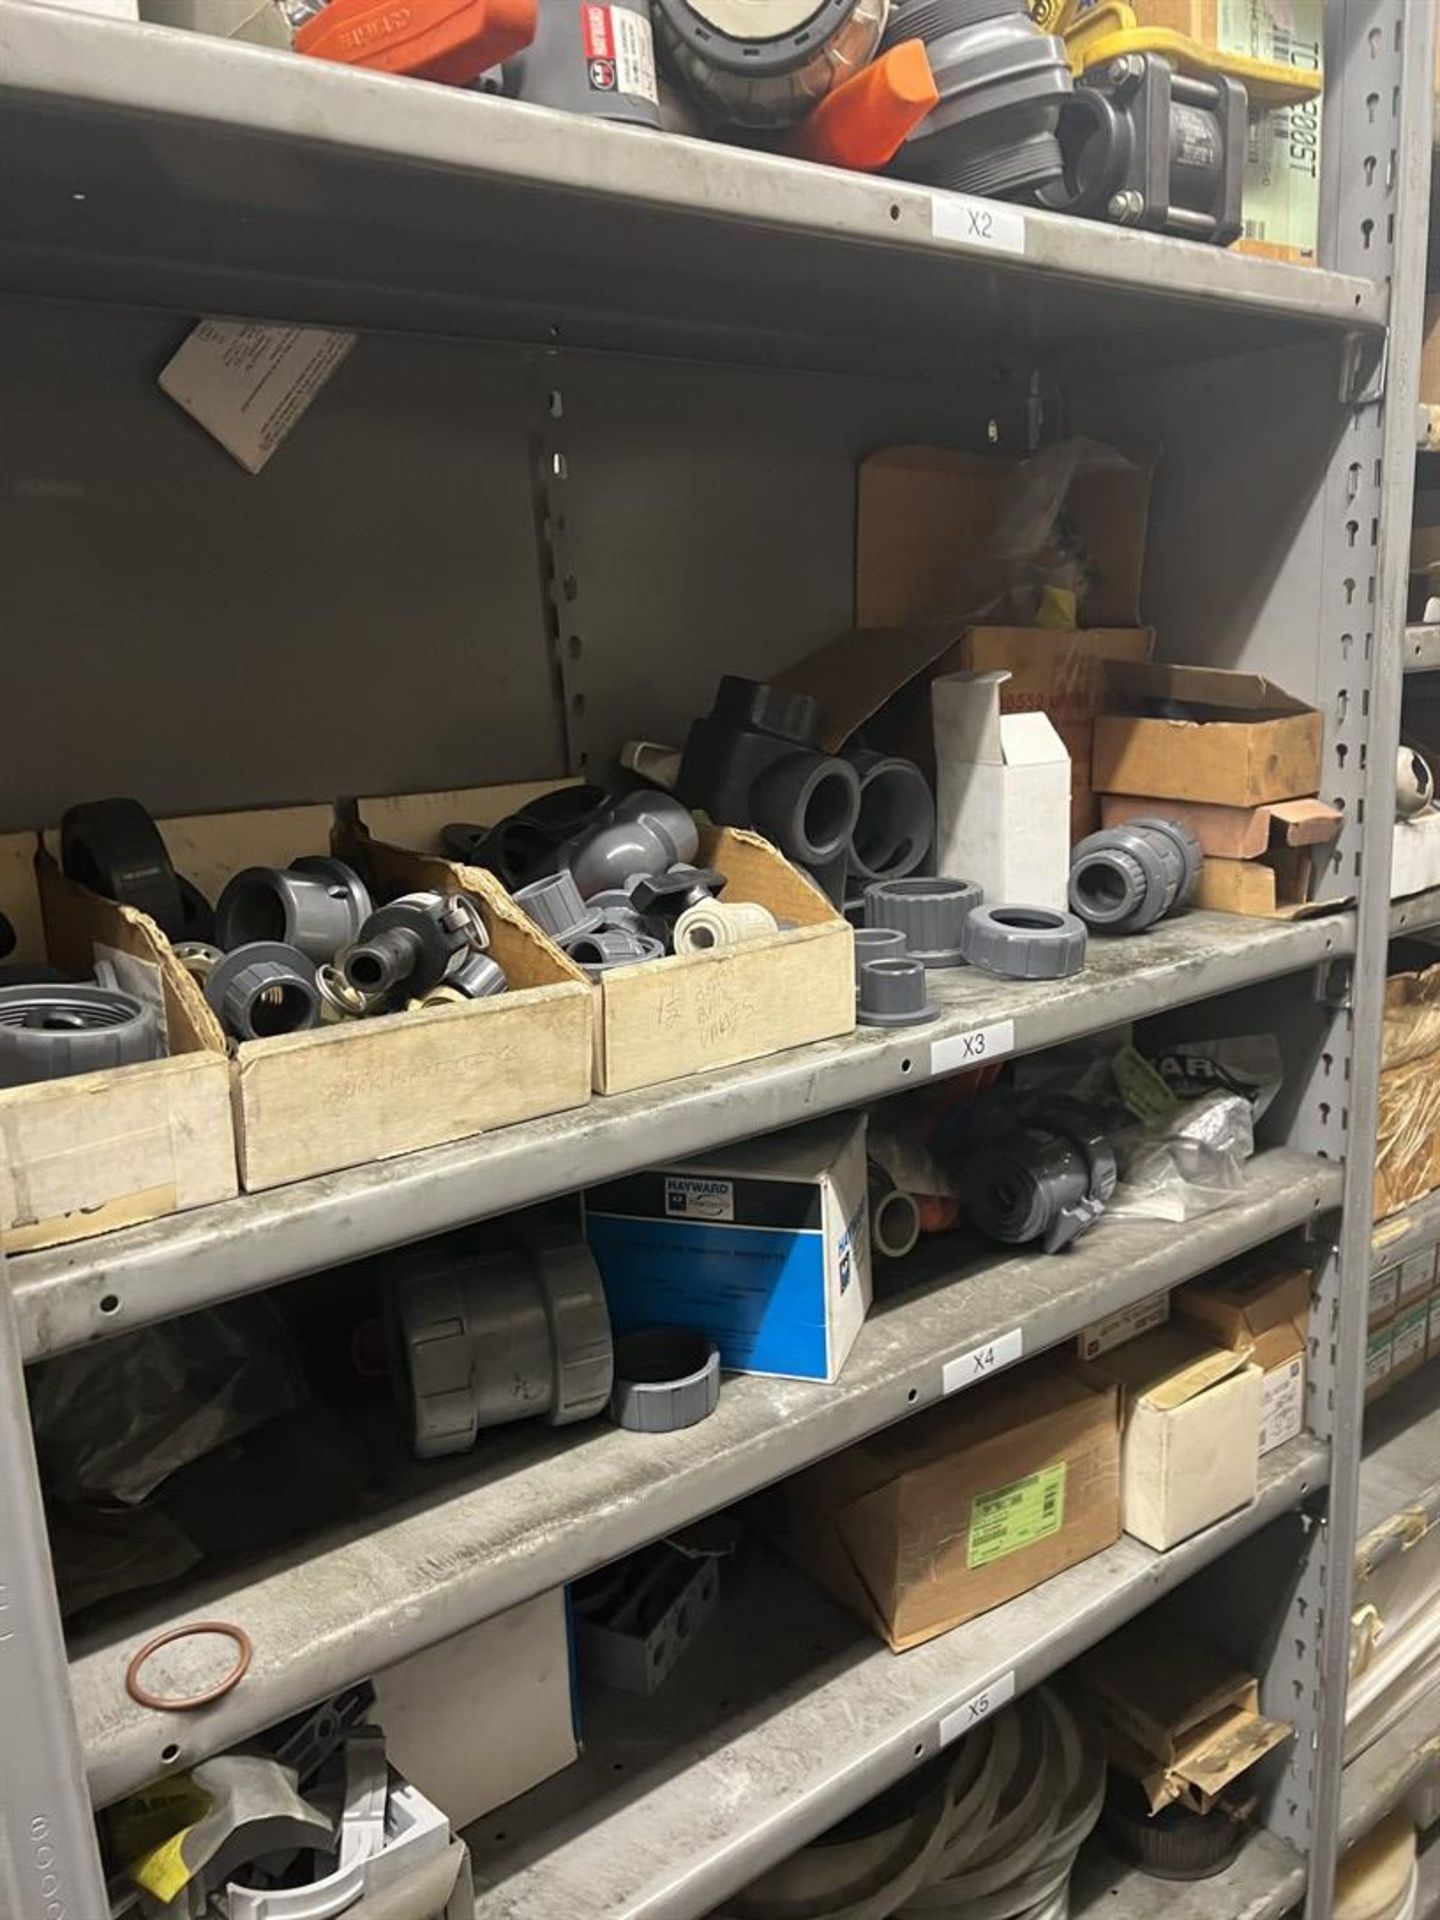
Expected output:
(97, 1151)
(1128, 1324)
(1191, 1417)
(1261, 1307)
(1410, 1335)
(765, 1247)
(1407, 1158)
(1432, 1344)
(691, 1012)
(1384, 1297)
(337, 1096)
(930, 1523)
(1415, 854)
(1002, 795)
(1379, 1360)
(1245, 743)
(511, 1674)
(926, 517)
(1267, 860)
(1417, 1276)
(1430, 341)
(1180, 1716)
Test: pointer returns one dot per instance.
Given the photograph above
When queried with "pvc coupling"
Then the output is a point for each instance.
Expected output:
(479, 1340)
(262, 989)
(1002, 83)
(1125, 878)
(51, 1032)
(316, 904)
(895, 829)
(894, 1215)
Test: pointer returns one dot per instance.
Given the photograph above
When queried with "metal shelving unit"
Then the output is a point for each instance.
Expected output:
(675, 349)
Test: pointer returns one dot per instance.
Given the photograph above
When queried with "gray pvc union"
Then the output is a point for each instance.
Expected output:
(556, 906)
(50, 1032)
(1025, 943)
(580, 63)
(930, 913)
(666, 1378)
(263, 989)
(1187, 844)
(892, 994)
(1125, 878)
(316, 904)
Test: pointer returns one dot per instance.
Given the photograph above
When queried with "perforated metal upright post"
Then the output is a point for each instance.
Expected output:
(49, 1862)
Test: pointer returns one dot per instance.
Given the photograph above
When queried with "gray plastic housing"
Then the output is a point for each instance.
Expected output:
(892, 994)
(50, 1032)
(263, 989)
(1025, 943)
(931, 913)
(316, 904)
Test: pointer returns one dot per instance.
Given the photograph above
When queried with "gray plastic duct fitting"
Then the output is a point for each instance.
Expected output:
(479, 1340)
(1002, 83)
(316, 904)
(770, 80)
(896, 827)
(877, 943)
(407, 947)
(646, 832)
(555, 905)
(808, 805)
(50, 1032)
(1048, 1179)
(1414, 783)
(1025, 943)
(894, 1216)
(263, 989)
(579, 65)
(930, 913)
(892, 994)
(665, 1378)
(598, 952)
(478, 977)
(1125, 878)
(114, 848)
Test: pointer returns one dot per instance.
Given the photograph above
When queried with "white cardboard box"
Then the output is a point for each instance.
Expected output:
(487, 1714)
(765, 1247)
(1417, 1276)
(1415, 854)
(1002, 794)
(1190, 1449)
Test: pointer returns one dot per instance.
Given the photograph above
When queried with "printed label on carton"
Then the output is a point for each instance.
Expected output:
(1411, 1332)
(696, 1197)
(1384, 1293)
(247, 382)
(1379, 1357)
(1282, 1404)
(1417, 1274)
(1116, 1328)
(1016, 1516)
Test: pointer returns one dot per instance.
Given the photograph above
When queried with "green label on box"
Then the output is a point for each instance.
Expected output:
(1016, 1516)
(1143, 1088)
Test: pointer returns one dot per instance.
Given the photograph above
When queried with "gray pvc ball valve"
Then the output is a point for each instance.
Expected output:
(316, 904)
(1125, 878)
(643, 833)
(263, 989)
(892, 994)
(931, 913)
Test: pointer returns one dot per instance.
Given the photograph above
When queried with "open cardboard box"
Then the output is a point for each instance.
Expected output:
(1241, 742)
(1267, 860)
(688, 1013)
(96, 1151)
(338, 1096)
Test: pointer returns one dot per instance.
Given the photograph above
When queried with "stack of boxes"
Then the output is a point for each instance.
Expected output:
(1404, 1321)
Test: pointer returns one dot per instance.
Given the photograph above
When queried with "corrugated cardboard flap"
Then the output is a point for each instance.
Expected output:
(1303, 823)
(1213, 1756)
(1210, 690)
(1169, 1367)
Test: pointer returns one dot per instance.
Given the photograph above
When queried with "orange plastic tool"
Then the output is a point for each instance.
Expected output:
(449, 40)
(862, 123)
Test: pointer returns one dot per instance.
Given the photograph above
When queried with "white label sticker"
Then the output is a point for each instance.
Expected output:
(634, 53)
(973, 1049)
(977, 1708)
(1282, 1404)
(248, 383)
(981, 1362)
(977, 223)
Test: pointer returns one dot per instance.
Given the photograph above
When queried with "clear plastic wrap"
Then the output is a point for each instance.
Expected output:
(1190, 1164)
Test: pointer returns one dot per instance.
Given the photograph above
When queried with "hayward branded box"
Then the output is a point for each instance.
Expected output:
(765, 1248)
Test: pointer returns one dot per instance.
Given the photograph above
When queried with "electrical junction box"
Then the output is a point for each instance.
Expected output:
(766, 1248)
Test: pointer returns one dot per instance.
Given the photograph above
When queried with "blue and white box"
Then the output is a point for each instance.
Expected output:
(765, 1247)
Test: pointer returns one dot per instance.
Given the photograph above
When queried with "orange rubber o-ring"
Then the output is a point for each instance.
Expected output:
(142, 1696)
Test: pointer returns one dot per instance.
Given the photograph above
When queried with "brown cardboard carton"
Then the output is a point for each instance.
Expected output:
(1180, 1716)
(1407, 1159)
(1430, 345)
(681, 1015)
(1261, 1306)
(337, 1096)
(1234, 833)
(1245, 742)
(930, 1523)
(1379, 1360)
(1191, 1423)
(925, 516)
(1410, 1337)
(97, 1151)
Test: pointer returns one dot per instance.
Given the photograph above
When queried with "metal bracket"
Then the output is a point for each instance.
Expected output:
(1333, 984)
(1364, 363)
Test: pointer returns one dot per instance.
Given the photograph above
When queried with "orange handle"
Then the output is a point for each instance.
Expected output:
(863, 122)
(449, 40)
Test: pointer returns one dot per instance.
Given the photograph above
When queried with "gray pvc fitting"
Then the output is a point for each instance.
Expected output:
(930, 913)
(896, 827)
(1125, 878)
(601, 950)
(264, 988)
(316, 904)
(562, 69)
(892, 994)
(877, 943)
(555, 905)
(618, 912)
(807, 803)
(49, 1032)
(478, 977)
(645, 833)
(666, 1378)
(1025, 943)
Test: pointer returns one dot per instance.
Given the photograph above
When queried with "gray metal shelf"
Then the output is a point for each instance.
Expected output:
(259, 182)
(1265, 1881)
(1380, 1778)
(93, 1288)
(1416, 912)
(533, 1507)
(786, 1717)
(1410, 1231)
(1422, 649)
(1400, 1472)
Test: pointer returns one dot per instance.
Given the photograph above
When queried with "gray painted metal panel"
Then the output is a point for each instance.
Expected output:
(1422, 649)
(1399, 1498)
(1381, 1777)
(94, 1288)
(533, 1507)
(786, 1718)
(1263, 1883)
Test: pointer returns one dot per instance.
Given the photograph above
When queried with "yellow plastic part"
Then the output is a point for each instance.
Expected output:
(1106, 31)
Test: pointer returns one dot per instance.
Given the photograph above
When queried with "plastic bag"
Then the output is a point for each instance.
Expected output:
(1186, 1165)
(113, 1420)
